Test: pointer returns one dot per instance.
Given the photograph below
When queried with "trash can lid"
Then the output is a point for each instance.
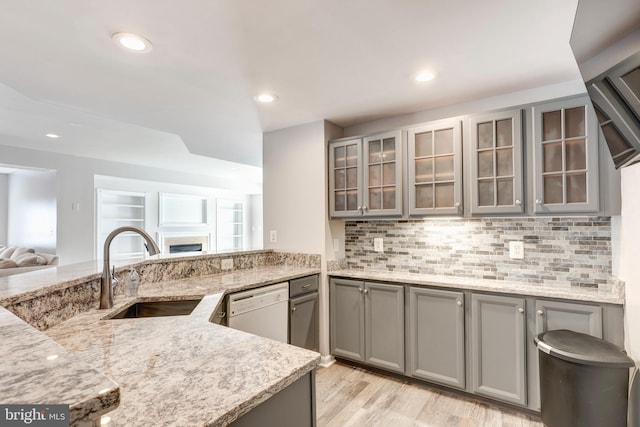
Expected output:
(582, 349)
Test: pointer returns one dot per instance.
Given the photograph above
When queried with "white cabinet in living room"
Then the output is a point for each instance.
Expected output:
(116, 209)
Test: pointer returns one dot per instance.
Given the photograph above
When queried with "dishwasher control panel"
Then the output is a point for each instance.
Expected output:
(253, 299)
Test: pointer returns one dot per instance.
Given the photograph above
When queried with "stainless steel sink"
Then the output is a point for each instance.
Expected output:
(156, 309)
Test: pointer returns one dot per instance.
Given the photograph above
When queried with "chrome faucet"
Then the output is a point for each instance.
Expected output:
(108, 281)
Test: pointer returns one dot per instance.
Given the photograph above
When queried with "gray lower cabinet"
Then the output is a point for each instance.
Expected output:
(347, 319)
(367, 323)
(435, 344)
(384, 326)
(295, 406)
(303, 322)
(552, 315)
(498, 342)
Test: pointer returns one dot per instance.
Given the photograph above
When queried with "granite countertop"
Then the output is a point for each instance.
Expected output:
(614, 295)
(181, 370)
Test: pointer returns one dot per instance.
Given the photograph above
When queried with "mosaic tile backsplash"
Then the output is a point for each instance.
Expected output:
(557, 251)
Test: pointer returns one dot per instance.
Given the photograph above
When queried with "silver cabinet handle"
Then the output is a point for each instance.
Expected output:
(293, 309)
(360, 290)
(366, 291)
(540, 312)
(518, 202)
(459, 303)
(306, 286)
(538, 202)
(221, 315)
(520, 310)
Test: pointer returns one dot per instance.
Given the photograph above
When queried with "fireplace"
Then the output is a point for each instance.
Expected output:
(173, 243)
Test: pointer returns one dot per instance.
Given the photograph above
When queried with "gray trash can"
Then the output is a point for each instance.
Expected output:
(584, 381)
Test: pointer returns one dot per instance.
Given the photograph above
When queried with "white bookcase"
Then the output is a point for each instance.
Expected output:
(115, 209)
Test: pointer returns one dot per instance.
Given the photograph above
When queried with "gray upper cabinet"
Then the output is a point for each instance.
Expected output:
(345, 178)
(347, 319)
(365, 176)
(382, 174)
(367, 323)
(494, 150)
(436, 338)
(565, 157)
(625, 78)
(435, 168)
(498, 347)
(384, 326)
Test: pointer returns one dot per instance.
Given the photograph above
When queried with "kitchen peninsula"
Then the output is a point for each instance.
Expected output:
(181, 370)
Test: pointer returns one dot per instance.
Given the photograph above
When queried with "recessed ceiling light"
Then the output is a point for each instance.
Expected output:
(425, 76)
(74, 124)
(132, 42)
(52, 135)
(265, 98)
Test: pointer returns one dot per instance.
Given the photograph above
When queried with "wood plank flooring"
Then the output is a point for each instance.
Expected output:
(353, 397)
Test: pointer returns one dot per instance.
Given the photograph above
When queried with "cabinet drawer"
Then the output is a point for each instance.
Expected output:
(303, 285)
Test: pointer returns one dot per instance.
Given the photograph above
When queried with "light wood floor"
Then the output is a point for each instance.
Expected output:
(348, 396)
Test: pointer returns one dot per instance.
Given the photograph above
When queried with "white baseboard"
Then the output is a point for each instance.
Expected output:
(326, 361)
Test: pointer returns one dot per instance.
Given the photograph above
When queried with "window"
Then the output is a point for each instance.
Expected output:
(230, 233)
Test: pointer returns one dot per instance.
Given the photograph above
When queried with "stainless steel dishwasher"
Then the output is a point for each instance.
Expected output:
(303, 313)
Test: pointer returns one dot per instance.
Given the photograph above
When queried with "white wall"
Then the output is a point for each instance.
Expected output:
(4, 182)
(295, 199)
(630, 256)
(32, 210)
(75, 186)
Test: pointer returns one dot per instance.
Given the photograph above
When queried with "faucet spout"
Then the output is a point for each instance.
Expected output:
(106, 285)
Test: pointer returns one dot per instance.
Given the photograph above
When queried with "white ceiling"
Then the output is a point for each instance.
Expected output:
(191, 97)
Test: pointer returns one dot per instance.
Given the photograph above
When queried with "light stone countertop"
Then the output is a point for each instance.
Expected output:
(615, 295)
(181, 370)
(37, 370)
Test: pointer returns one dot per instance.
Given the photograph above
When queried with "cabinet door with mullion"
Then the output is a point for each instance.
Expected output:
(495, 159)
(382, 160)
(565, 157)
(626, 79)
(345, 199)
(435, 168)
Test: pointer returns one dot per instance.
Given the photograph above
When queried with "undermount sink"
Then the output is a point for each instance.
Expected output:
(156, 309)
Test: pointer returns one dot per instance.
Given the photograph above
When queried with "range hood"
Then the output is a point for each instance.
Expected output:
(606, 44)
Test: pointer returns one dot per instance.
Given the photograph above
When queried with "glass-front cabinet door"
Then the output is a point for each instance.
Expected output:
(344, 178)
(382, 155)
(495, 162)
(565, 135)
(435, 168)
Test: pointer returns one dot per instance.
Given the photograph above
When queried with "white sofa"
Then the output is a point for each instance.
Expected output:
(16, 260)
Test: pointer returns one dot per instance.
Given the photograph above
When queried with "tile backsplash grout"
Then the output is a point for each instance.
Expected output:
(557, 250)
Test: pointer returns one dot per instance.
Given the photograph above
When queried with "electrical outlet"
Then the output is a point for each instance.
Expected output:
(273, 236)
(516, 250)
(336, 245)
(378, 244)
(226, 264)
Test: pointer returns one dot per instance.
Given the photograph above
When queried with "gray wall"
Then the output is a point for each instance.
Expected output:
(32, 210)
(4, 182)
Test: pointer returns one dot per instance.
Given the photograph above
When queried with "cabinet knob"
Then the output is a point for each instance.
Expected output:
(360, 290)
(457, 205)
(520, 310)
(359, 208)
(538, 201)
(366, 291)
(293, 309)
(365, 209)
(459, 303)
(518, 202)
(540, 312)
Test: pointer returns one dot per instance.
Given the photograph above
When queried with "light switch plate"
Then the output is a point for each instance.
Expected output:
(516, 250)
(273, 236)
(226, 264)
(378, 244)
